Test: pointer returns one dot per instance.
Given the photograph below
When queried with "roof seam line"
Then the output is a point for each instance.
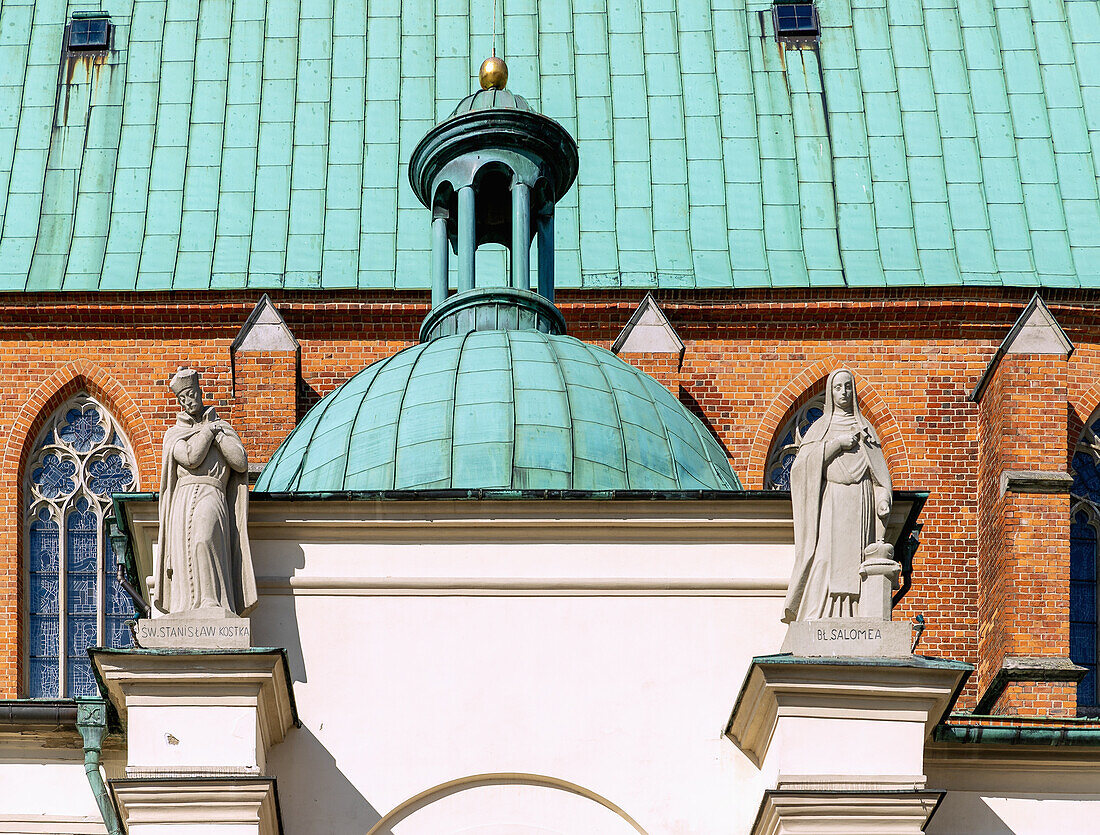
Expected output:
(454, 404)
(401, 407)
(381, 366)
(615, 404)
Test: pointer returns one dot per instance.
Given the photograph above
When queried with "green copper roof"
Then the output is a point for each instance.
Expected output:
(499, 409)
(264, 144)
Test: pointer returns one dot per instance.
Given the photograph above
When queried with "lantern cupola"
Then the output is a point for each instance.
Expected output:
(492, 172)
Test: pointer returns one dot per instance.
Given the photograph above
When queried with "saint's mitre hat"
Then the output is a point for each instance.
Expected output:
(184, 378)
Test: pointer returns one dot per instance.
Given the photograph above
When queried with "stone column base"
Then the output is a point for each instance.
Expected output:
(229, 805)
(790, 811)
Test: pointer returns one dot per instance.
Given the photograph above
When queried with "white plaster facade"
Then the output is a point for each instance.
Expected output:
(494, 667)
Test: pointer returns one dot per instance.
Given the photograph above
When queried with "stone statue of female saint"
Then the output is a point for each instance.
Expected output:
(841, 496)
(203, 565)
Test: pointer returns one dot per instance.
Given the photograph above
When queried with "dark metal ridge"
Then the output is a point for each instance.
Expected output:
(970, 718)
(1017, 734)
(925, 662)
(57, 714)
(917, 497)
(280, 651)
(459, 494)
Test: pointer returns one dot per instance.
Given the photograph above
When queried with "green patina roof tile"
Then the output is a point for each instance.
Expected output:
(279, 65)
(492, 445)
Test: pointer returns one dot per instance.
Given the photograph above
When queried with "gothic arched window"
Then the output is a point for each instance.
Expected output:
(73, 598)
(1084, 526)
(777, 473)
(1082, 600)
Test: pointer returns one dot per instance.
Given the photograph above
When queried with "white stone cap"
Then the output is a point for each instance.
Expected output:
(264, 330)
(909, 689)
(260, 672)
(1035, 331)
(851, 812)
(648, 331)
(238, 804)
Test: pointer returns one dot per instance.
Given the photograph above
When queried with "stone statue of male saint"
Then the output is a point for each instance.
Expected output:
(204, 564)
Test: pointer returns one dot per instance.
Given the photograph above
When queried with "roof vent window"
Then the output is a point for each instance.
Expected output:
(89, 33)
(795, 21)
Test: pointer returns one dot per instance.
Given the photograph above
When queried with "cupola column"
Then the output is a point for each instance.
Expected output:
(521, 235)
(440, 259)
(546, 253)
(467, 238)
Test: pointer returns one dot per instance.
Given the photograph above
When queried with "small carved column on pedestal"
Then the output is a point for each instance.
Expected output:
(879, 576)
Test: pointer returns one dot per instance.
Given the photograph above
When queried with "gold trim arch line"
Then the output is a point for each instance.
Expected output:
(414, 804)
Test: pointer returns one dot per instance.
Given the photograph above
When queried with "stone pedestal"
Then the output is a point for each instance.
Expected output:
(199, 724)
(871, 635)
(843, 740)
(197, 629)
(849, 638)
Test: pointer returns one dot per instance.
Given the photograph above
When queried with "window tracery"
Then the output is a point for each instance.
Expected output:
(777, 473)
(80, 458)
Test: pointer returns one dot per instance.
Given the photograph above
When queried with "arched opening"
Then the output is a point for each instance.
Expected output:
(1082, 600)
(777, 472)
(493, 185)
(1084, 614)
(531, 804)
(74, 601)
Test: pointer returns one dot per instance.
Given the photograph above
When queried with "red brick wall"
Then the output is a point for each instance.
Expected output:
(993, 572)
(1023, 563)
(750, 360)
(1037, 698)
(664, 368)
(265, 401)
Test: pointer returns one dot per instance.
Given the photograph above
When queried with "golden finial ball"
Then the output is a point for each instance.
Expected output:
(493, 73)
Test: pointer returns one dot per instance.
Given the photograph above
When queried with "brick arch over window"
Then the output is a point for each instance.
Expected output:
(70, 379)
(65, 382)
(807, 385)
(1084, 408)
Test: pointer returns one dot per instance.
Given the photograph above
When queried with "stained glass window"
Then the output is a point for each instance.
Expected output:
(778, 470)
(1084, 525)
(74, 598)
(1082, 603)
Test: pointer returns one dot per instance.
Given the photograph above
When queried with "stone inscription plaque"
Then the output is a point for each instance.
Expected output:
(849, 637)
(194, 633)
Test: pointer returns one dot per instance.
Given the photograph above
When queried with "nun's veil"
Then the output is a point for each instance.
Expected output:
(820, 427)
